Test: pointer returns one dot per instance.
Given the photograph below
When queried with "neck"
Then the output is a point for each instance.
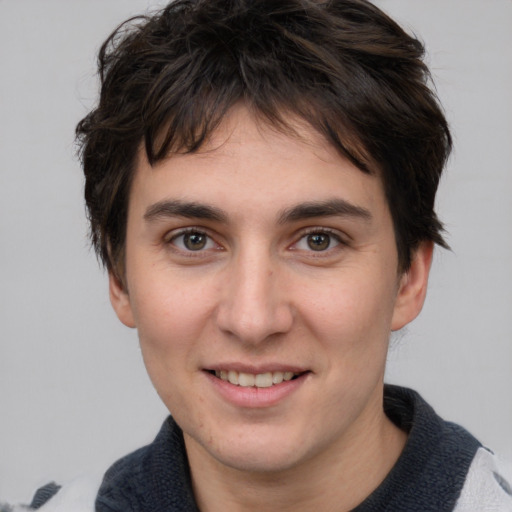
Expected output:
(339, 478)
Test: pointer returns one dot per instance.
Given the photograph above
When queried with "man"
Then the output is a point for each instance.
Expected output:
(260, 179)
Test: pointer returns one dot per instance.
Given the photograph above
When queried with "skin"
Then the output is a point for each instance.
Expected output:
(260, 290)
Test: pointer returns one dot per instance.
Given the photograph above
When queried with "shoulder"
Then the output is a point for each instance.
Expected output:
(135, 482)
(488, 485)
(80, 494)
(444, 466)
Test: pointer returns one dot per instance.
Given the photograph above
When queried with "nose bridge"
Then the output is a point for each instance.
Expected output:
(254, 306)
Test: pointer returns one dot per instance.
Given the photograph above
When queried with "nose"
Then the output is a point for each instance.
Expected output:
(254, 305)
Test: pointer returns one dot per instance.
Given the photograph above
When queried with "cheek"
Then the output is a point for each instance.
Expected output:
(169, 325)
(351, 314)
(169, 318)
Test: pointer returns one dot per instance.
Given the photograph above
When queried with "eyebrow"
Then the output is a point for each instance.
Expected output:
(329, 208)
(177, 208)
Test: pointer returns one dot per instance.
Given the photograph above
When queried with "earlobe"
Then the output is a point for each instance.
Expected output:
(413, 287)
(120, 300)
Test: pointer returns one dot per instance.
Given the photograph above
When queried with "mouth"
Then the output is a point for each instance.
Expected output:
(258, 380)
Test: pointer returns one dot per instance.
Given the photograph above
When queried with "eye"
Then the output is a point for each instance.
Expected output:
(318, 241)
(192, 240)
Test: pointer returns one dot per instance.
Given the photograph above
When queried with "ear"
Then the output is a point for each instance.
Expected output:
(413, 287)
(120, 300)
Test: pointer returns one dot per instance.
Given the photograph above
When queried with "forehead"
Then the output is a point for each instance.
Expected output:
(248, 165)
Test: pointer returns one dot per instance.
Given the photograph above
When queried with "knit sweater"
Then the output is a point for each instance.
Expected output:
(442, 469)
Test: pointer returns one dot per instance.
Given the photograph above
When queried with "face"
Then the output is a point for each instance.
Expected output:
(261, 274)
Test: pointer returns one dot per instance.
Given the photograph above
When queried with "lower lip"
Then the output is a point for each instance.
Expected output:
(253, 397)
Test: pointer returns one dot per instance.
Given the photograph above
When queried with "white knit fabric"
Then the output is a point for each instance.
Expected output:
(488, 485)
(488, 488)
(77, 496)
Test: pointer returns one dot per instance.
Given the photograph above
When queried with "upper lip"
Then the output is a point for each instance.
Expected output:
(256, 369)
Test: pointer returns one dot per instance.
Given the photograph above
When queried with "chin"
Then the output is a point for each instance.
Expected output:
(264, 461)
(259, 450)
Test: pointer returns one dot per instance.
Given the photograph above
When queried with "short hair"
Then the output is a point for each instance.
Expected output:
(342, 66)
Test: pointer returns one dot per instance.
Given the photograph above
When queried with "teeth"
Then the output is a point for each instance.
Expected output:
(246, 380)
(261, 380)
(277, 377)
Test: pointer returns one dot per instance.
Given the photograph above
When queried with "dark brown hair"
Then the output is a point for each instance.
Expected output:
(343, 66)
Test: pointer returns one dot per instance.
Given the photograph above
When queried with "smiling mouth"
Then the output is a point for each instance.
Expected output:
(260, 380)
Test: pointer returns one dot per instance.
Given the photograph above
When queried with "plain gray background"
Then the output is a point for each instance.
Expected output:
(74, 395)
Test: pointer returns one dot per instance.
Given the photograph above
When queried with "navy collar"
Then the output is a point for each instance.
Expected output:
(428, 476)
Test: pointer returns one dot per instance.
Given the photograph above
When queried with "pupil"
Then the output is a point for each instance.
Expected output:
(318, 241)
(194, 241)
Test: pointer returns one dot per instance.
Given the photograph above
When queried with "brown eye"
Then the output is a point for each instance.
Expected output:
(318, 241)
(321, 240)
(195, 241)
(192, 241)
